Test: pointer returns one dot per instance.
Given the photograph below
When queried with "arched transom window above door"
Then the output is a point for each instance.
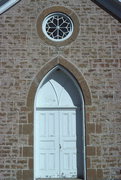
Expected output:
(58, 90)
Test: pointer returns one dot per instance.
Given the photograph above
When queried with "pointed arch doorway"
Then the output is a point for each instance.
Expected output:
(59, 127)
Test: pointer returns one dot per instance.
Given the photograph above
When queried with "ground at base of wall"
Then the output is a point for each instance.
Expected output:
(57, 179)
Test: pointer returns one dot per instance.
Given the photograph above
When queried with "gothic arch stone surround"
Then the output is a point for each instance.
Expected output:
(71, 68)
(27, 129)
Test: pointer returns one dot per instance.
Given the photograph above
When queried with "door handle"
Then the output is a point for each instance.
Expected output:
(59, 146)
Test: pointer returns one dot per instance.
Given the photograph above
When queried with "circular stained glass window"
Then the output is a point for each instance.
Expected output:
(57, 26)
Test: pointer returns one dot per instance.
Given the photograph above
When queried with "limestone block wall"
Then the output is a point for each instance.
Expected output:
(96, 53)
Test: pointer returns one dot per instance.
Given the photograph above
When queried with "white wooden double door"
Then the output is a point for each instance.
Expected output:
(56, 143)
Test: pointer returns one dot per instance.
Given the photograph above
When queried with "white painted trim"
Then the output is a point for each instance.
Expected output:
(84, 132)
(7, 5)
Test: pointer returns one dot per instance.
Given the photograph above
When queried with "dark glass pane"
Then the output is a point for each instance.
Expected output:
(51, 29)
(64, 29)
(60, 33)
(55, 33)
(60, 21)
(51, 25)
(64, 25)
(55, 21)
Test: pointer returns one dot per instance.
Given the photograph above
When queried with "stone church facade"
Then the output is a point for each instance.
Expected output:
(91, 55)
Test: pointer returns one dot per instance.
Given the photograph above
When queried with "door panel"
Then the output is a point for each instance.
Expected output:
(48, 159)
(68, 163)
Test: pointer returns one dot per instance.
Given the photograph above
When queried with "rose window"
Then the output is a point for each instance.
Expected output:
(57, 27)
